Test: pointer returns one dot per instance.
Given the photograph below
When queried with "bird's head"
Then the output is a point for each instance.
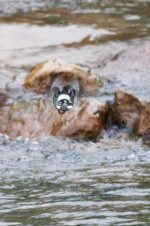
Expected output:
(64, 95)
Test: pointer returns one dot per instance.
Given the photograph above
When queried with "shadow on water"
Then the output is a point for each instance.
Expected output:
(58, 181)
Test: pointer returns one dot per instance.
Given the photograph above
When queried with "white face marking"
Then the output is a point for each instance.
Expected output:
(58, 107)
(69, 107)
(64, 97)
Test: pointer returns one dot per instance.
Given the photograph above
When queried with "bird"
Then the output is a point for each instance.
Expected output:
(64, 92)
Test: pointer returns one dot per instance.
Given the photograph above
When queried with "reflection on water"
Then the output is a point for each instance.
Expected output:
(95, 196)
(63, 182)
(59, 181)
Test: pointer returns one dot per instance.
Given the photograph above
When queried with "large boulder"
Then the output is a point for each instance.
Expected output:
(39, 118)
(41, 76)
(126, 109)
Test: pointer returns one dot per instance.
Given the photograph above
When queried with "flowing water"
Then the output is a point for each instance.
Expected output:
(57, 181)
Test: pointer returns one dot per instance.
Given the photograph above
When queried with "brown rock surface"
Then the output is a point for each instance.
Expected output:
(144, 121)
(40, 77)
(3, 98)
(146, 137)
(39, 118)
(126, 109)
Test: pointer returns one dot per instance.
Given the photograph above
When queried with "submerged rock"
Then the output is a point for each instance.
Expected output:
(126, 109)
(40, 77)
(39, 118)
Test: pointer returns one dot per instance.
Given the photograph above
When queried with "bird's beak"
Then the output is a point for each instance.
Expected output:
(61, 112)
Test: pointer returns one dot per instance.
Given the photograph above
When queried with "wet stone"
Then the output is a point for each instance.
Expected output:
(126, 109)
(146, 137)
(39, 118)
(41, 76)
(143, 124)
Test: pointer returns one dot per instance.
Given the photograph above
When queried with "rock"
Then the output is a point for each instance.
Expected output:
(126, 109)
(146, 137)
(3, 98)
(39, 118)
(143, 124)
(40, 77)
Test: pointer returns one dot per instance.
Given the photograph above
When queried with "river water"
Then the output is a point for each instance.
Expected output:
(57, 181)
